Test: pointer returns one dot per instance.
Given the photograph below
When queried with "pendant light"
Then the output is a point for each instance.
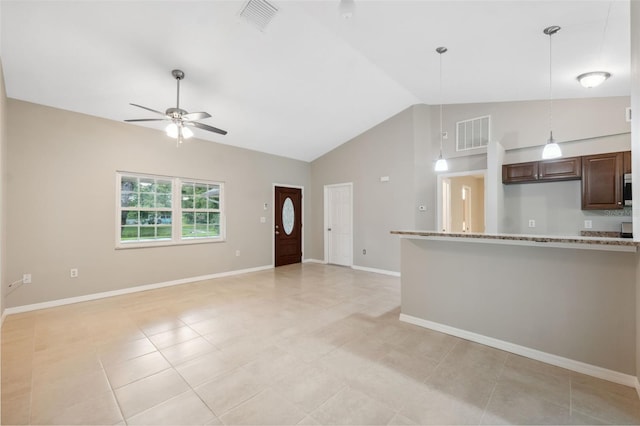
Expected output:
(551, 149)
(441, 164)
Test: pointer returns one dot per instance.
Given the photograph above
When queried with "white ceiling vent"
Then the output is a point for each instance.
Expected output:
(258, 12)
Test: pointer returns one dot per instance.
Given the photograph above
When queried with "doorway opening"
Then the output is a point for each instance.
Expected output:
(461, 202)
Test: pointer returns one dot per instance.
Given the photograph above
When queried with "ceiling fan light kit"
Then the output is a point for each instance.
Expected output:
(179, 118)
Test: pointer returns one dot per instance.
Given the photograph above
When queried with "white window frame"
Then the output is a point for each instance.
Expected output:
(472, 120)
(176, 213)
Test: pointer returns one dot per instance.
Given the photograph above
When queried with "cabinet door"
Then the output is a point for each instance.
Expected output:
(560, 169)
(626, 162)
(602, 181)
(521, 172)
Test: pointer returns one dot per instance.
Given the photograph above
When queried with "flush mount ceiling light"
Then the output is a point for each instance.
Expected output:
(441, 164)
(593, 79)
(551, 148)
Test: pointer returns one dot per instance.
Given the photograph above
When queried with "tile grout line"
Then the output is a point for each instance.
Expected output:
(493, 389)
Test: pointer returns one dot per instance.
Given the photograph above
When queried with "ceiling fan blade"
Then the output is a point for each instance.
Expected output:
(196, 116)
(205, 127)
(148, 109)
(146, 119)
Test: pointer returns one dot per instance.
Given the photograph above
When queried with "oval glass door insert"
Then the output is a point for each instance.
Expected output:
(288, 216)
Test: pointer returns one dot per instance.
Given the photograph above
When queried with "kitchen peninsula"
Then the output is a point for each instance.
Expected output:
(567, 301)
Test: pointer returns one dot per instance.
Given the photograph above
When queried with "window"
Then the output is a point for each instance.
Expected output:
(473, 133)
(161, 210)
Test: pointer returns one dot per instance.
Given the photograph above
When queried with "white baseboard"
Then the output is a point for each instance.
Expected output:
(377, 271)
(558, 361)
(314, 261)
(94, 296)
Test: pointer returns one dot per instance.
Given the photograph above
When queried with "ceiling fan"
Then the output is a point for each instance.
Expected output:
(179, 118)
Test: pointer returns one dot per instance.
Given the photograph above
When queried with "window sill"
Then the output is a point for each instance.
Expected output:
(139, 245)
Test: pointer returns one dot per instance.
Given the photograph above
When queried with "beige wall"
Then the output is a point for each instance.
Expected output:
(61, 193)
(574, 303)
(406, 146)
(379, 207)
(523, 127)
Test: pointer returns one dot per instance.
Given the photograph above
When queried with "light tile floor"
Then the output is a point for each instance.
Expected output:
(301, 344)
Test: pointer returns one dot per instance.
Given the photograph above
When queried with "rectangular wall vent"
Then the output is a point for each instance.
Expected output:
(258, 12)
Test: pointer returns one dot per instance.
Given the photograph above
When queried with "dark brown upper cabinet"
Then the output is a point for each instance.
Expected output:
(602, 176)
(543, 171)
(520, 173)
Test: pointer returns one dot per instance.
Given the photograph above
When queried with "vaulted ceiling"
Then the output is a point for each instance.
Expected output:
(310, 80)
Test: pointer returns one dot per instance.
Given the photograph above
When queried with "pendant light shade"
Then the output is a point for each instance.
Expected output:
(551, 148)
(441, 164)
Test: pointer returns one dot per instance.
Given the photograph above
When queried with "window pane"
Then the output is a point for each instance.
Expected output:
(187, 196)
(163, 187)
(130, 217)
(163, 200)
(200, 189)
(201, 202)
(129, 199)
(214, 218)
(129, 233)
(213, 197)
(164, 232)
(148, 200)
(147, 218)
(147, 185)
(147, 232)
(201, 219)
(164, 218)
(129, 184)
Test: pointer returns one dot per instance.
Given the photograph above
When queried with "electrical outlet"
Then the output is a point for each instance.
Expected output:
(26, 279)
(237, 252)
(73, 273)
(364, 251)
(588, 224)
(532, 223)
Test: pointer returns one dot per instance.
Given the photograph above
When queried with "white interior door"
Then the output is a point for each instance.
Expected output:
(338, 224)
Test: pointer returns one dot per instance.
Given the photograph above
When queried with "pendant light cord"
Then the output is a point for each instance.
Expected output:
(550, 89)
(441, 103)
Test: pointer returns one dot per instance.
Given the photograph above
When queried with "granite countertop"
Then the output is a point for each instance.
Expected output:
(604, 241)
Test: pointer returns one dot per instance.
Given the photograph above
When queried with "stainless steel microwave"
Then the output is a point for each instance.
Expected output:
(626, 190)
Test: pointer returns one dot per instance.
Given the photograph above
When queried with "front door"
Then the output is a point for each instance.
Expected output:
(288, 225)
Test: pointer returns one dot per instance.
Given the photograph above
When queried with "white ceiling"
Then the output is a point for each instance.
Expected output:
(311, 80)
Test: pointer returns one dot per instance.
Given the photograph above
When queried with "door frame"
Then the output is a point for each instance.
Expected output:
(273, 219)
(442, 176)
(325, 233)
